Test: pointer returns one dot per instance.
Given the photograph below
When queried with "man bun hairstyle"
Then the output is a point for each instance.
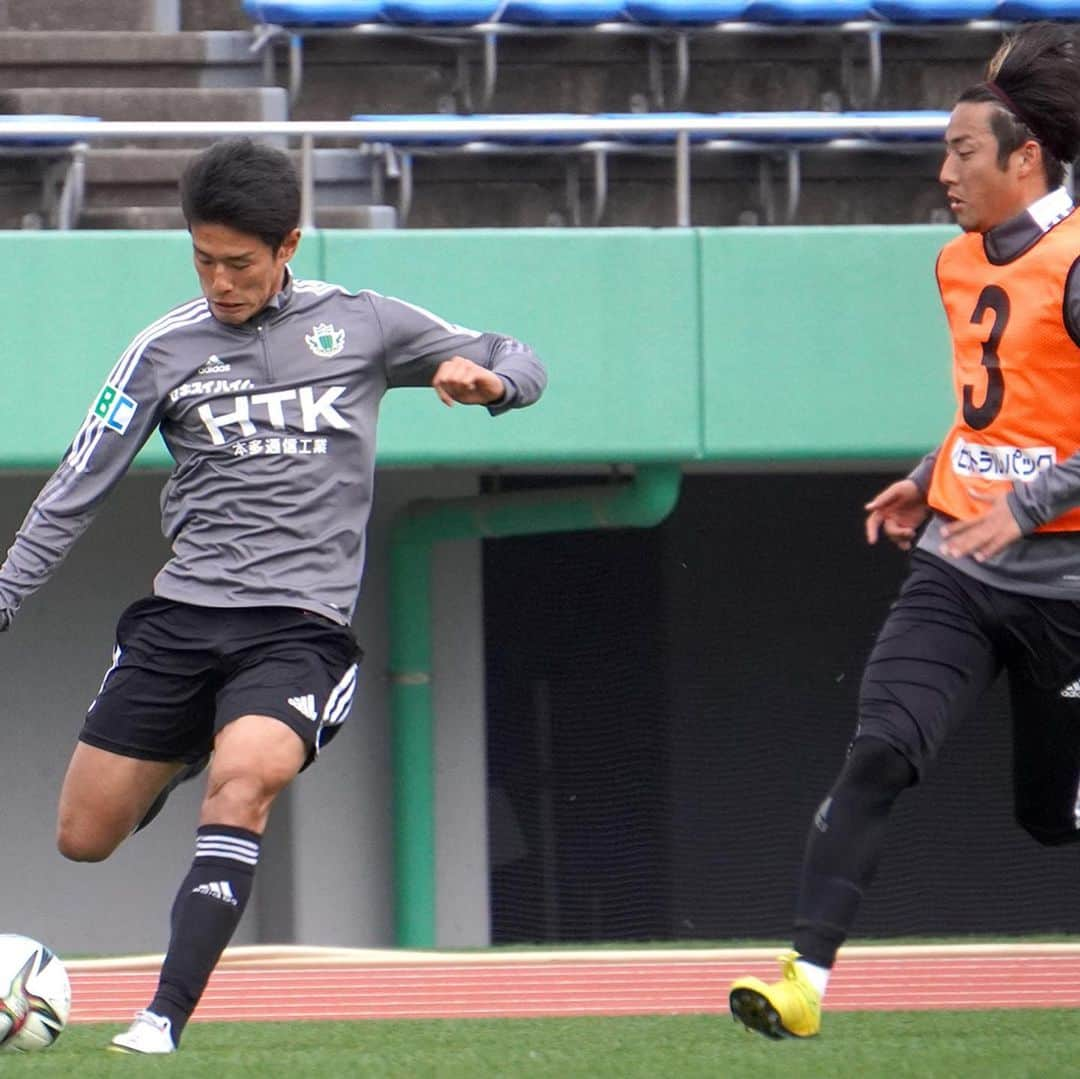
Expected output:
(1034, 79)
(246, 185)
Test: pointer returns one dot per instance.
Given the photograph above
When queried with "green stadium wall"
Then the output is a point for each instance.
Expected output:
(710, 345)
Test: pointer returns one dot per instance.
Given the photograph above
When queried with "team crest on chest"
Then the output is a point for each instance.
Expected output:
(325, 340)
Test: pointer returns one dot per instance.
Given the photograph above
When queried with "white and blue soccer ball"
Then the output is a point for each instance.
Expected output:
(35, 995)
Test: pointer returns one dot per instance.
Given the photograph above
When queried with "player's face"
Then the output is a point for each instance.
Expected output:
(981, 193)
(238, 272)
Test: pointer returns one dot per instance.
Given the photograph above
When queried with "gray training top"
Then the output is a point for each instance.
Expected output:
(1045, 563)
(272, 428)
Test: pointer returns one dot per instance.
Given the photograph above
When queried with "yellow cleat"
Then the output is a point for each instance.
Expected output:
(789, 1008)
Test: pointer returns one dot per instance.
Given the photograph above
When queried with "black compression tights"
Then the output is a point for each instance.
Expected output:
(844, 846)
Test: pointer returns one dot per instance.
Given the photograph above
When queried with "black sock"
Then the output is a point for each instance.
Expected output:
(205, 915)
(844, 847)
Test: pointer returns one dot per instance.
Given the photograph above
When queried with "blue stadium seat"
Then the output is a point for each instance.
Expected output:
(791, 134)
(913, 125)
(1031, 10)
(313, 12)
(537, 138)
(561, 12)
(40, 140)
(807, 11)
(768, 134)
(658, 137)
(685, 12)
(930, 11)
(908, 125)
(667, 24)
(450, 138)
(941, 116)
(439, 12)
(836, 125)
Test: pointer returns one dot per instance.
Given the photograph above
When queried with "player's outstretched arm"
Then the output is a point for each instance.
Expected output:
(120, 420)
(463, 366)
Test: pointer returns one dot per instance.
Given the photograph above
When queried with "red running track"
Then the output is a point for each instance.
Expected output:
(633, 984)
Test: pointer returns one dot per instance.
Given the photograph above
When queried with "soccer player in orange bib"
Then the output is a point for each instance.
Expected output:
(994, 582)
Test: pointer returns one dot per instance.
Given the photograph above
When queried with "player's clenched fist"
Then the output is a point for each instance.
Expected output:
(461, 380)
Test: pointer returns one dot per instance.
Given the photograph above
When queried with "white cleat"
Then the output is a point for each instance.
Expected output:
(149, 1033)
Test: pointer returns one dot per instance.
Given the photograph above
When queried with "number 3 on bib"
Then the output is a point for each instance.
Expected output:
(996, 299)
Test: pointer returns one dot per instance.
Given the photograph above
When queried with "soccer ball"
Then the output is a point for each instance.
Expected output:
(35, 995)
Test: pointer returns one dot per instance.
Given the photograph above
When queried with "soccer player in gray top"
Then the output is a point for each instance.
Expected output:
(266, 392)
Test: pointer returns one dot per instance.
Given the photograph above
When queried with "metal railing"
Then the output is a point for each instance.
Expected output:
(674, 133)
(675, 37)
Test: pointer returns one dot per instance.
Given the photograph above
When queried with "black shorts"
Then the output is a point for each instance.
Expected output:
(180, 673)
(944, 642)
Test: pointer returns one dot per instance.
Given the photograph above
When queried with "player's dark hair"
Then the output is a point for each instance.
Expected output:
(246, 185)
(1034, 80)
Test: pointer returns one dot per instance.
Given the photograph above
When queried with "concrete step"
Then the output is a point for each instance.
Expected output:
(332, 165)
(32, 186)
(162, 15)
(131, 217)
(213, 15)
(138, 188)
(167, 217)
(203, 59)
(149, 103)
(376, 216)
(127, 175)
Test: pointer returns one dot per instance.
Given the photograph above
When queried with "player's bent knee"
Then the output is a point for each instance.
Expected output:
(875, 765)
(241, 801)
(78, 846)
(83, 837)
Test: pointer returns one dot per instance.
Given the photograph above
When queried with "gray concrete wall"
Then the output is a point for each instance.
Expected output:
(160, 15)
(326, 872)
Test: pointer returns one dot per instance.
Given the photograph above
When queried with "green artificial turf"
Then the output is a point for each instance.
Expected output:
(949, 1045)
